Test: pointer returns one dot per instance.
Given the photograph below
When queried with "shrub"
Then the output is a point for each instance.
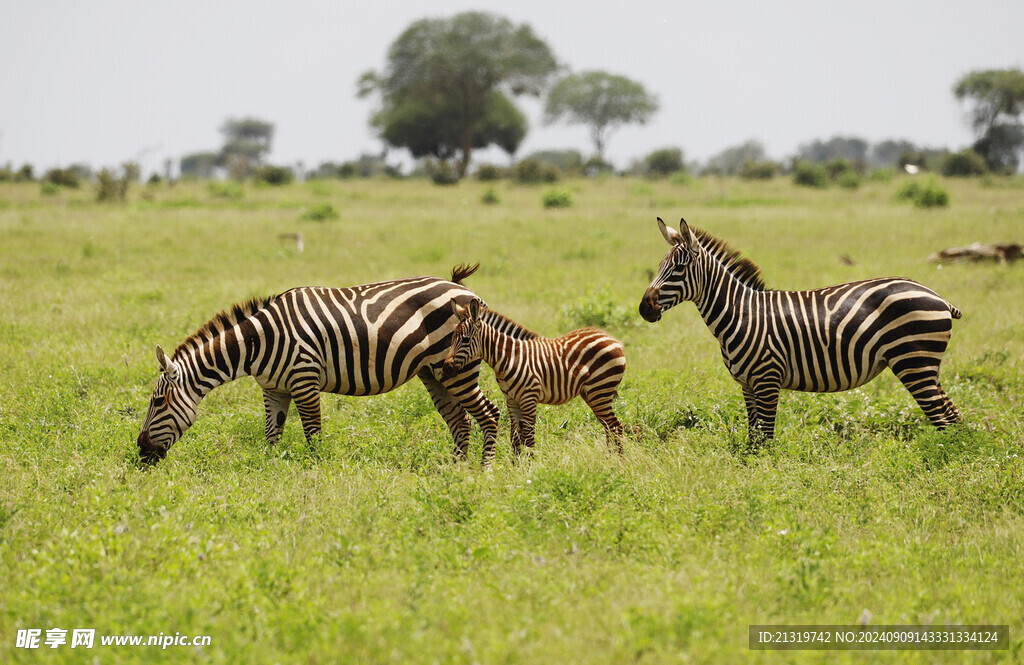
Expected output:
(276, 176)
(963, 164)
(531, 171)
(810, 175)
(754, 170)
(225, 189)
(923, 195)
(441, 172)
(557, 198)
(849, 180)
(664, 162)
(111, 188)
(598, 310)
(489, 173)
(321, 212)
(49, 188)
(489, 197)
(63, 178)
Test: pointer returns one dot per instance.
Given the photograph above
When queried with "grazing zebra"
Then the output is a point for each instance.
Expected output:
(532, 370)
(362, 340)
(825, 340)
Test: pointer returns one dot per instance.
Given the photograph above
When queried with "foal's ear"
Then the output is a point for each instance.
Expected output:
(687, 236)
(672, 237)
(474, 309)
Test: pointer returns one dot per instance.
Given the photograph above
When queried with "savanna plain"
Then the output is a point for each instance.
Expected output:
(373, 546)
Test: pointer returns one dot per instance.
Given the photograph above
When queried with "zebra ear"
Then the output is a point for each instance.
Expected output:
(474, 309)
(166, 364)
(687, 236)
(672, 236)
(459, 311)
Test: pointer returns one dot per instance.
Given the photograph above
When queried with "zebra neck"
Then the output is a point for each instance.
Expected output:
(724, 302)
(498, 349)
(217, 361)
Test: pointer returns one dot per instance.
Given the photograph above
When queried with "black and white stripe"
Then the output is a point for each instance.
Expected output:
(362, 340)
(824, 340)
(532, 370)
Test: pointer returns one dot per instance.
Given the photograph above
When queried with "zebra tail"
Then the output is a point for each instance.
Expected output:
(464, 270)
(954, 312)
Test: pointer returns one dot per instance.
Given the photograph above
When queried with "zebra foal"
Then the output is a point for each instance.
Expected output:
(532, 370)
(362, 340)
(824, 340)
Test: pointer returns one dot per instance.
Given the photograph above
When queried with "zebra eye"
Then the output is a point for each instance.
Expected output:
(158, 401)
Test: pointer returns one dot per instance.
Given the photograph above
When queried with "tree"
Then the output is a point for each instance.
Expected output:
(998, 102)
(838, 147)
(601, 100)
(246, 143)
(445, 90)
(731, 160)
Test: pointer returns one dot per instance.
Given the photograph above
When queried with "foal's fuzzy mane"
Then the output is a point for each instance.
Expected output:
(740, 267)
(222, 321)
(507, 325)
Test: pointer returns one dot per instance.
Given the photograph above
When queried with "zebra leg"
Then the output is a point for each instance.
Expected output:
(762, 404)
(454, 415)
(922, 381)
(306, 393)
(515, 435)
(276, 404)
(528, 406)
(601, 405)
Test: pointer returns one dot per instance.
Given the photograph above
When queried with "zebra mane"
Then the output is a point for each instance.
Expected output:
(742, 268)
(506, 326)
(222, 321)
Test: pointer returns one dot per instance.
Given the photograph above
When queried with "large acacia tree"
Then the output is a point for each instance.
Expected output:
(446, 87)
(600, 100)
(997, 96)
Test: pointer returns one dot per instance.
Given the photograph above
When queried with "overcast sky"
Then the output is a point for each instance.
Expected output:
(105, 81)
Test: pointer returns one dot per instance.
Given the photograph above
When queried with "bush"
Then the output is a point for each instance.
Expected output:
(923, 195)
(963, 164)
(111, 188)
(63, 178)
(322, 212)
(441, 172)
(531, 171)
(489, 173)
(557, 198)
(225, 189)
(849, 180)
(664, 162)
(489, 197)
(754, 170)
(276, 176)
(806, 174)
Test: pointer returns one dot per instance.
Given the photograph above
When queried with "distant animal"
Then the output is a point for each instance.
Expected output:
(825, 340)
(531, 369)
(361, 340)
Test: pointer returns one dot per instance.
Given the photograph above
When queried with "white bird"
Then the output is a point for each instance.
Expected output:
(911, 169)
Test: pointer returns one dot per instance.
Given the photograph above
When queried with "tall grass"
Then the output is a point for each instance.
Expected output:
(372, 546)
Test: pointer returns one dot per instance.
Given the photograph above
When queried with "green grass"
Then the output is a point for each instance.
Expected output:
(373, 547)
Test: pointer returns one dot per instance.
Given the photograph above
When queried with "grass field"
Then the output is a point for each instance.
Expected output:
(373, 547)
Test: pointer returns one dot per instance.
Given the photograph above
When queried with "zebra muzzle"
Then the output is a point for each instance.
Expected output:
(150, 452)
(649, 307)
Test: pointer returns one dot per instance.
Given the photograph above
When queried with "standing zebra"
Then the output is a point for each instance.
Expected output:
(532, 370)
(362, 340)
(825, 340)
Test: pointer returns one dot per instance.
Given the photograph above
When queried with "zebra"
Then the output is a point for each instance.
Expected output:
(531, 369)
(362, 340)
(824, 340)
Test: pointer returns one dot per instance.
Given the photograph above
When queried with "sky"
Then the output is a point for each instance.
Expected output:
(106, 81)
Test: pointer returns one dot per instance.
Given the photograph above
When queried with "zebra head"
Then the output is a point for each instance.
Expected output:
(172, 410)
(674, 282)
(466, 339)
